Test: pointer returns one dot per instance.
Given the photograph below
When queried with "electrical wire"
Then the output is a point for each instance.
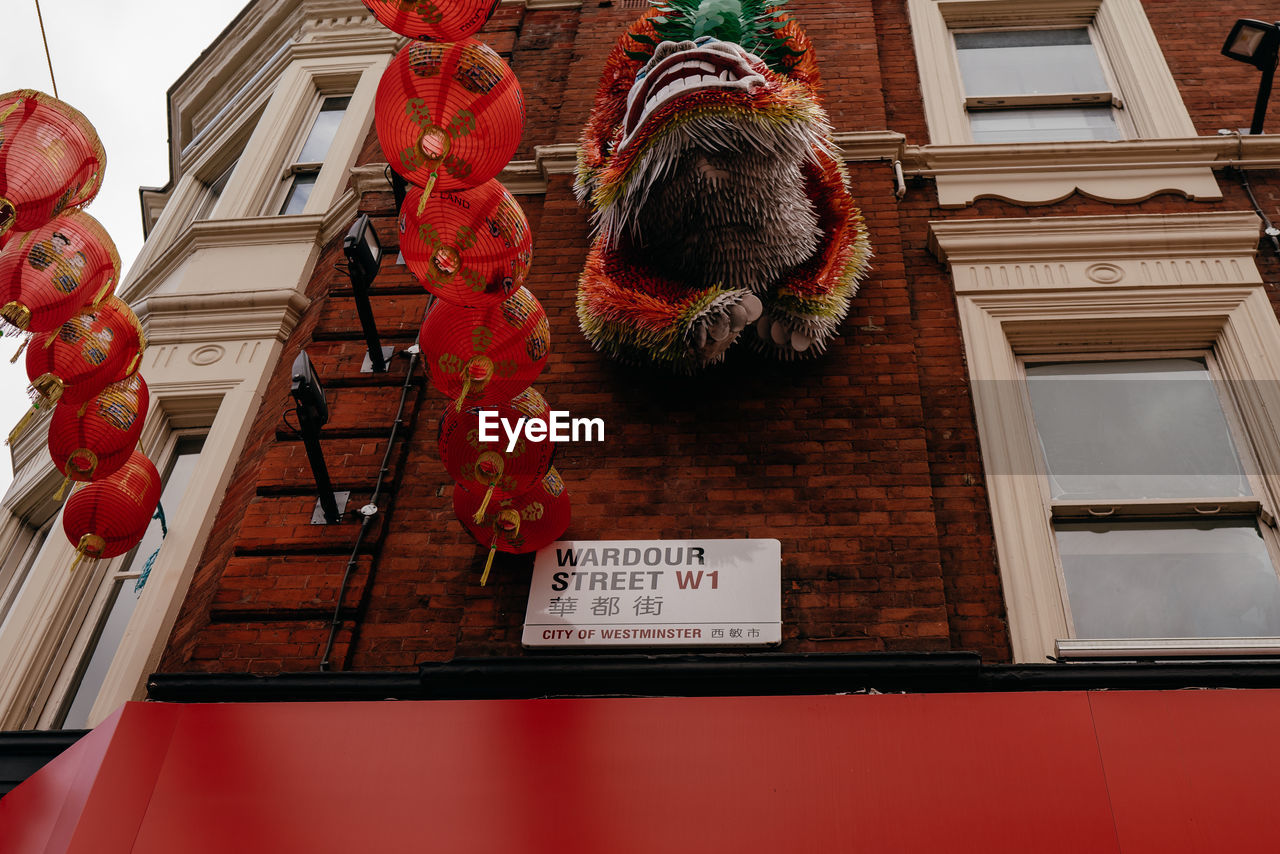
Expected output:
(1272, 233)
(297, 431)
(47, 57)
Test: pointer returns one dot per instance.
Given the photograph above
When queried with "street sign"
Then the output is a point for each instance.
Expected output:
(639, 593)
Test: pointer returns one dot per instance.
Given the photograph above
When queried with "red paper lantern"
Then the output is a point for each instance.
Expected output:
(49, 274)
(95, 348)
(517, 525)
(448, 113)
(108, 517)
(488, 467)
(436, 20)
(91, 440)
(472, 247)
(485, 356)
(51, 159)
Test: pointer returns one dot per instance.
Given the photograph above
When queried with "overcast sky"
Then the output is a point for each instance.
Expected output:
(113, 60)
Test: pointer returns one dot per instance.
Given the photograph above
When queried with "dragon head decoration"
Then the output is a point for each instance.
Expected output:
(719, 201)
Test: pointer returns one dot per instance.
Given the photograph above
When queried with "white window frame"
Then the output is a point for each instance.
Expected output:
(1259, 507)
(1147, 283)
(211, 191)
(294, 167)
(80, 640)
(995, 103)
(1122, 34)
(1039, 173)
(21, 554)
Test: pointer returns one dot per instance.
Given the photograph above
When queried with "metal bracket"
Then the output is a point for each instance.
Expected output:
(340, 498)
(366, 367)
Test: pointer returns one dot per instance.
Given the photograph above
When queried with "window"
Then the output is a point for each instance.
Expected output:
(17, 564)
(115, 599)
(300, 177)
(213, 192)
(1035, 86)
(1160, 531)
(1123, 378)
(1031, 102)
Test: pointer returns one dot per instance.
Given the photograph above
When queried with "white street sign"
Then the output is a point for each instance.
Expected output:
(599, 593)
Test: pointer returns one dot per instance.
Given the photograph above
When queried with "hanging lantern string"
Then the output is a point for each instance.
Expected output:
(47, 57)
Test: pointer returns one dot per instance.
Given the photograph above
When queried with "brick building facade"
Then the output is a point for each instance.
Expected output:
(865, 463)
(901, 471)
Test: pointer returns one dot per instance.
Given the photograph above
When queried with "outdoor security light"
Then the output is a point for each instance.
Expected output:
(1257, 43)
(313, 412)
(364, 256)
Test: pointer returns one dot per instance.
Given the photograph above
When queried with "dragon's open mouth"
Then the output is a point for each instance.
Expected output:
(718, 65)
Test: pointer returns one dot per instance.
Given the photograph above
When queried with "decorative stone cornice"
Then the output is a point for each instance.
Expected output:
(539, 5)
(370, 178)
(229, 315)
(520, 177)
(529, 177)
(1120, 171)
(1210, 248)
(248, 231)
(871, 145)
(317, 229)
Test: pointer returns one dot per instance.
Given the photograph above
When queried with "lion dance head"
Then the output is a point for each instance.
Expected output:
(718, 197)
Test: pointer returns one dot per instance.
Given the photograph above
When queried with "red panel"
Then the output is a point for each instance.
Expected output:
(42, 812)
(860, 773)
(1193, 770)
(123, 789)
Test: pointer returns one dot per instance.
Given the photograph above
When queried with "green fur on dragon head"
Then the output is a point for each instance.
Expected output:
(749, 23)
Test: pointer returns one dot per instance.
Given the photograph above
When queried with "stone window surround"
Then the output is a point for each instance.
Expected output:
(1100, 284)
(272, 120)
(82, 631)
(1153, 107)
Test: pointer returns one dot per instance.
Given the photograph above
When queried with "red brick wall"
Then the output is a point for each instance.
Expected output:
(865, 463)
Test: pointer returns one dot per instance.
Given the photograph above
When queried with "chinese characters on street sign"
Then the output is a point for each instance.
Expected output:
(599, 593)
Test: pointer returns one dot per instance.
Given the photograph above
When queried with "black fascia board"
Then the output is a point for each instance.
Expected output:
(679, 675)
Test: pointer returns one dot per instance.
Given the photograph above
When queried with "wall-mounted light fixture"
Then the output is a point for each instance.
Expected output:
(1257, 43)
(313, 412)
(364, 257)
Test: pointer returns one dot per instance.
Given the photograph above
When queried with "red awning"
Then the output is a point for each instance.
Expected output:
(1142, 771)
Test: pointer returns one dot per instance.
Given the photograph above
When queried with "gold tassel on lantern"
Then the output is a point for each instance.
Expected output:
(488, 564)
(89, 548)
(506, 523)
(478, 372)
(488, 469)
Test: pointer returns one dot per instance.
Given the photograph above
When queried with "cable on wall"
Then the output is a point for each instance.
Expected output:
(369, 511)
